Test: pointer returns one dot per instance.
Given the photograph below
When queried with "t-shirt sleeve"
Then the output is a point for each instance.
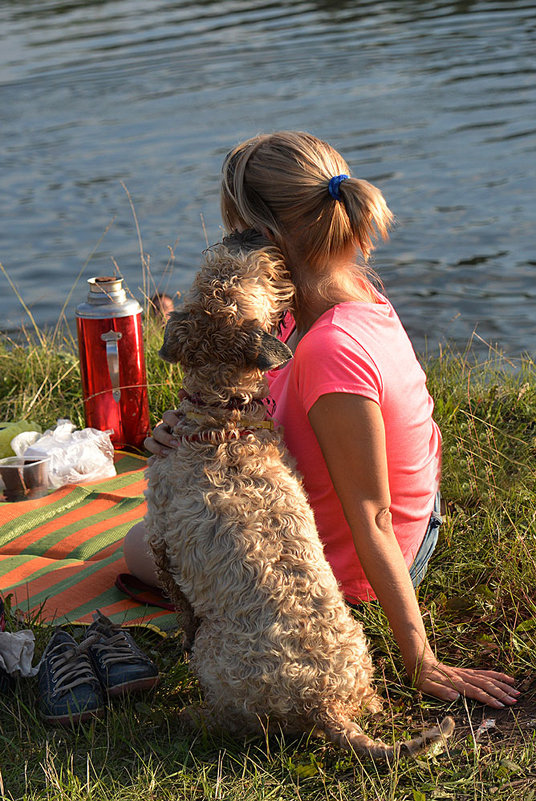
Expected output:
(329, 359)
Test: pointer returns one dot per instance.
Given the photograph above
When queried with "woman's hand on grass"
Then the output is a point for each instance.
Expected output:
(162, 441)
(448, 683)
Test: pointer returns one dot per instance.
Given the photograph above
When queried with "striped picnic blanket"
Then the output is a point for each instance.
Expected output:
(60, 555)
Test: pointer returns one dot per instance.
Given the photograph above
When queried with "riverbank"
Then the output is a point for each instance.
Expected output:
(478, 602)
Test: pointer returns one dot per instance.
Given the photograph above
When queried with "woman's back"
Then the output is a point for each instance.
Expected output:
(363, 349)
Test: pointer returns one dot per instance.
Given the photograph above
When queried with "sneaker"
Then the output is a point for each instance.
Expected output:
(69, 690)
(120, 664)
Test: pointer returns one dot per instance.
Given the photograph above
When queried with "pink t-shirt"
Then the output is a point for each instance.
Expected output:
(362, 348)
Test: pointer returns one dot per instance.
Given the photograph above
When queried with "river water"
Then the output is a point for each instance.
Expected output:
(105, 103)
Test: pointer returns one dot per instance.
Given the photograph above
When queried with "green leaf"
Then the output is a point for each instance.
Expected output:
(484, 591)
(527, 625)
(306, 771)
(510, 766)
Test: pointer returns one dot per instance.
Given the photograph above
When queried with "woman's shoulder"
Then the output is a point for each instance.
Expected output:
(354, 319)
(340, 336)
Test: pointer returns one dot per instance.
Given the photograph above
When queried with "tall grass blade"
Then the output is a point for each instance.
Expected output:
(23, 304)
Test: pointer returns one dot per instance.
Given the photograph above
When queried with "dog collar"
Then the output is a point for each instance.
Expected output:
(251, 424)
(235, 403)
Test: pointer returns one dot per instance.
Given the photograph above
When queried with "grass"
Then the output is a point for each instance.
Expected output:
(478, 602)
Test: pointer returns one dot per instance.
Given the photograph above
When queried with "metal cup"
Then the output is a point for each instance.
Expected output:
(24, 478)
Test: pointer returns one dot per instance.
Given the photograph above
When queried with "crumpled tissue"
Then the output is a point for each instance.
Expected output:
(16, 652)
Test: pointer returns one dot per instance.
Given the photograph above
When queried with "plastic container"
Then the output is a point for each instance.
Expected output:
(24, 478)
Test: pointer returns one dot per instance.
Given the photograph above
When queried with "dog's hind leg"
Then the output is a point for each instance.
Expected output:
(189, 623)
(349, 735)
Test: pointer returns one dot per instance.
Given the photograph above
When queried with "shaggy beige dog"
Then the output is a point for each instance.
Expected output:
(232, 531)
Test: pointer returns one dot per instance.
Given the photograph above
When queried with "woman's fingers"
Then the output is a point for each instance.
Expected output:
(162, 440)
(444, 693)
(452, 691)
(153, 447)
(170, 418)
(479, 678)
(493, 675)
(486, 686)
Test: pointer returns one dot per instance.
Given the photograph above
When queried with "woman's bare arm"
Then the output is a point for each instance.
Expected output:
(351, 435)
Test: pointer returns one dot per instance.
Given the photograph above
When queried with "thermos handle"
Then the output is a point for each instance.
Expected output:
(112, 357)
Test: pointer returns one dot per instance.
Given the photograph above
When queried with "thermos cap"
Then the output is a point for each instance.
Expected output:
(106, 299)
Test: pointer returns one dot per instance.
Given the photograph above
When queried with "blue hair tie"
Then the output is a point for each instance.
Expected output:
(334, 184)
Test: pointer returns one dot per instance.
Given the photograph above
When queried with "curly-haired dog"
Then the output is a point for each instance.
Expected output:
(232, 532)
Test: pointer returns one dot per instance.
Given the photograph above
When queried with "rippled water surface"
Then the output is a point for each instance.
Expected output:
(434, 101)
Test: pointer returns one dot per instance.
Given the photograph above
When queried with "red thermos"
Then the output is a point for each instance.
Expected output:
(112, 362)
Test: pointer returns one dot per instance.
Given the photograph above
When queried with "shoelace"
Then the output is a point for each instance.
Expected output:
(70, 665)
(116, 648)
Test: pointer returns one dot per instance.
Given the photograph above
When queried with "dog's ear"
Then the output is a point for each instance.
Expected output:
(267, 351)
(176, 332)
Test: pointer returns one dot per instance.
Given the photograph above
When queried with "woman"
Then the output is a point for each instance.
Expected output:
(353, 402)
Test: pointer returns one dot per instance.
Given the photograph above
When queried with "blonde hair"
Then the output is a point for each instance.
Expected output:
(279, 183)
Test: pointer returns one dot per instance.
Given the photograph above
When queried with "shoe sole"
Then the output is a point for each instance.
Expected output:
(74, 719)
(132, 686)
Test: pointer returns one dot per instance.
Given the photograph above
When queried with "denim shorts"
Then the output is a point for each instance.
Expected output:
(417, 571)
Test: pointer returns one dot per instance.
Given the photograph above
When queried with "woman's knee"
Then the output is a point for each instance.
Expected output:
(138, 555)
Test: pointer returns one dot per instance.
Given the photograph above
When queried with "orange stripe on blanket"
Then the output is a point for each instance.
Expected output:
(130, 491)
(24, 572)
(123, 605)
(105, 553)
(104, 481)
(73, 596)
(146, 620)
(62, 549)
(120, 606)
(12, 511)
(76, 515)
(88, 587)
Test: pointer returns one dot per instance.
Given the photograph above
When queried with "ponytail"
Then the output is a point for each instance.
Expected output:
(368, 215)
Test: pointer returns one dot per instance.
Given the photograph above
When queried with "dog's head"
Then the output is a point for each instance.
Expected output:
(196, 341)
(224, 334)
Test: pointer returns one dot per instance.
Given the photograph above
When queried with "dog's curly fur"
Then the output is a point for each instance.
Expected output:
(232, 531)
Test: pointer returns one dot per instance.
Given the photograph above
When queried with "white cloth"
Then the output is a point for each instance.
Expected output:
(16, 652)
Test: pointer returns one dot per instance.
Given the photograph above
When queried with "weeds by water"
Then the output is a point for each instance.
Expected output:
(478, 601)
(40, 376)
